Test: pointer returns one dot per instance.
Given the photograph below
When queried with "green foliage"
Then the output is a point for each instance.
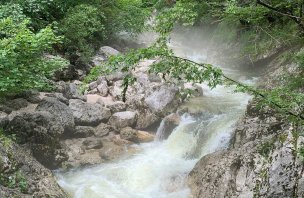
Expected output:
(265, 148)
(83, 27)
(6, 140)
(14, 11)
(23, 65)
(14, 180)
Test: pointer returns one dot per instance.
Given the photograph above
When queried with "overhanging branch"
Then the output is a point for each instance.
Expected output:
(249, 89)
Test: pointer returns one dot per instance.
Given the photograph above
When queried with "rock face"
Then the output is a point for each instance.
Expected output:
(123, 119)
(87, 114)
(62, 113)
(259, 163)
(38, 181)
(41, 130)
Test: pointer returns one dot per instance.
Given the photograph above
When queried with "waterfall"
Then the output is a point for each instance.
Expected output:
(160, 131)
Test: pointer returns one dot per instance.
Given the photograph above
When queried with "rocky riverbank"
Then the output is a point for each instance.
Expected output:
(68, 129)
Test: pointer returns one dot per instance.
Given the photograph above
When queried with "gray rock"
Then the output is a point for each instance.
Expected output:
(59, 96)
(83, 132)
(62, 113)
(41, 131)
(86, 114)
(170, 122)
(115, 76)
(17, 104)
(3, 119)
(103, 130)
(260, 162)
(129, 134)
(102, 89)
(123, 119)
(108, 51)
(92, 144)
(93, 85)
(39, 180)
(70, 91)
(163, 100)
(117, 106)
(145, 118)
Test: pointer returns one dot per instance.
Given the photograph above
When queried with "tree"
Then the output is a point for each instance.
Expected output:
(22, 62)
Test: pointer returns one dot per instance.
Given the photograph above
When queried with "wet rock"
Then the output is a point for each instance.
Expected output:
(62, 113)
(83, 132)
(170, 122)
(86, 114)
(123, 119)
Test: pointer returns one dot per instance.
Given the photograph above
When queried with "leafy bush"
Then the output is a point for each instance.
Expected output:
(22, 62)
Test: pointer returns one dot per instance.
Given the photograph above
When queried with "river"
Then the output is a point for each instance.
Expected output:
(160, 169)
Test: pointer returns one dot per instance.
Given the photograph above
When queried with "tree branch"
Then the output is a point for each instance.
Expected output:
(296, 18)
(249, 89)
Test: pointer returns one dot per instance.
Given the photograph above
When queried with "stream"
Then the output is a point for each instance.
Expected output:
(160, 169)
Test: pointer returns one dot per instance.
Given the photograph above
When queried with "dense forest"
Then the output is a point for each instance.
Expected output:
(39, 38)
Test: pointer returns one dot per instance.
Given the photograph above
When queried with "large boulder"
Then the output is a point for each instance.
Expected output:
(62, 113)
(163, 100)
(123, 119)
(41, 131)
(18, 166)
(87, 114)
(145, 118)
(103, 54)
(108, 51)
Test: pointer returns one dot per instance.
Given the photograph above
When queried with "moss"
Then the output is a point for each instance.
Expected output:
(265, 148)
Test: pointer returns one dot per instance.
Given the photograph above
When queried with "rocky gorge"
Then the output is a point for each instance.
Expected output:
(70, 130)
(67, 129)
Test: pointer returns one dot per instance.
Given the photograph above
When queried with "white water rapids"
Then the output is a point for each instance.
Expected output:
(160, 169)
